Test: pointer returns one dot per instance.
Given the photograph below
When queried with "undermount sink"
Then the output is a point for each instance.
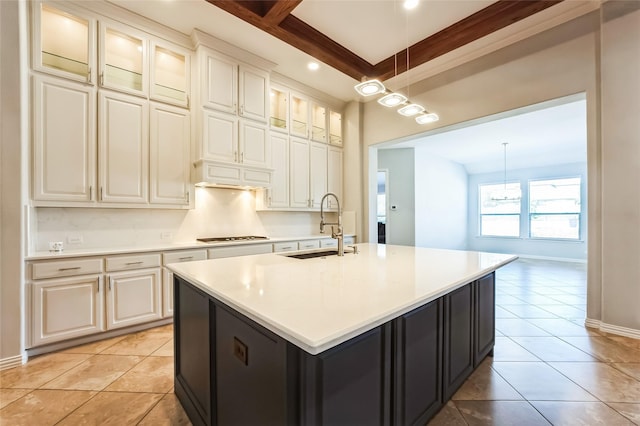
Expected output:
(311, 255)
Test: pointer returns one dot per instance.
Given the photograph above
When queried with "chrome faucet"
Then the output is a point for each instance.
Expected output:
(338, 235)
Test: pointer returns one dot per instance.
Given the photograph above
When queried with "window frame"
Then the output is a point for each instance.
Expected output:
(530, 214)
(481, 215)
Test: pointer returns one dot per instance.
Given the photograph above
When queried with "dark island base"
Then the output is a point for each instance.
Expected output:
(230, 370)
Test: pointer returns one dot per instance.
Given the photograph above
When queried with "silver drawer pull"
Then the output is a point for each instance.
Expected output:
(287, 248)
(75, 268)
(186, 258)
(134, 263)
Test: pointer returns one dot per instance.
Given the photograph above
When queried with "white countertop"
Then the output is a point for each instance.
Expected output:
(319, 303)
(135, 248)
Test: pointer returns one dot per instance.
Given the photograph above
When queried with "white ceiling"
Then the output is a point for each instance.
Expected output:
(376, 29)
(538, 136)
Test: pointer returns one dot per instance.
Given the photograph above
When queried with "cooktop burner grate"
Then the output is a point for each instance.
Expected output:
(237, 238)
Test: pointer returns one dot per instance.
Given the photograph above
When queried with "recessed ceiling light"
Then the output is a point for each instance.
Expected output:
(313, 66)
(410, 4)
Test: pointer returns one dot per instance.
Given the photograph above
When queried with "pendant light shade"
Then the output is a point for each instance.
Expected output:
(392, 99)
(411, 110)
(370, 87)
(427, 117)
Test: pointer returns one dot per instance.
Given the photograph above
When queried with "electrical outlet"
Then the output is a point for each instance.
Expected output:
(75, 239)
(56, 246)
(240, 351)
(166, 236)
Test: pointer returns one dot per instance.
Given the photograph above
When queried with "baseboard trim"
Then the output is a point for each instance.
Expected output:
(558, 259)
(14, 361)
(612, 329)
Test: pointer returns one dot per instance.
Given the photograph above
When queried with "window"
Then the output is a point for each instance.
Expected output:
(554, 208)
(500, 210)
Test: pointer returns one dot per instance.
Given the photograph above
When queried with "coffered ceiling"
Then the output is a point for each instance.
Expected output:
(352, 39)
(344, 34)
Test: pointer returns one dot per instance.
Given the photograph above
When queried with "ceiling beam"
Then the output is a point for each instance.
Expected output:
(280, 10)
(482, 23)
(275, 18)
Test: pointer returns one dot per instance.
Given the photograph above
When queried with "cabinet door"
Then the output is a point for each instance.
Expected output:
(300, 116)
(299, 176)
(167, 293)
(317, 173)
(335, 128)
(418, 364)
(64, 42)
(220, 83)
(279, 108)
(123, 141)
(220, 136)
(254, 93)
(278, 194)
(66, 308)
(318, 122)
(254, 144)
(123, 59)
(485, 317)
(458, 339)
(64, 144)
(169, 155)
(133, 297)
(170, 70)
(334, 175)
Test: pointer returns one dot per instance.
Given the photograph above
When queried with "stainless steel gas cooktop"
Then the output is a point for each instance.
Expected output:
(229, 239)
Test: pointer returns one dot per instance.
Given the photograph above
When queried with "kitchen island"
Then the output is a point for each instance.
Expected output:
(384, 336)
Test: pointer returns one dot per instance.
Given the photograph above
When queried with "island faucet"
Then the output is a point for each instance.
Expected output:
(338, 235)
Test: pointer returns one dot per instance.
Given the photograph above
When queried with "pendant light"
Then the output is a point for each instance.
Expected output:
(506, 194)
(393, 99)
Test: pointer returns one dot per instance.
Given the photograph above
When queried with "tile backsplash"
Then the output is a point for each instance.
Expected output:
(217, 212)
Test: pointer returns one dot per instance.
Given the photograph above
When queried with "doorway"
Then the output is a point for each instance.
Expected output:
(381, 204)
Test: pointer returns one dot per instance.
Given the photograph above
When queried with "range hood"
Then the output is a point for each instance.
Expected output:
(227, 175)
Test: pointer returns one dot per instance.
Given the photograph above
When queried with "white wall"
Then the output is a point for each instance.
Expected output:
(400, 225)
(12, 179)
(441, 202)
(555, 249)
(620, 109)
(217, 212)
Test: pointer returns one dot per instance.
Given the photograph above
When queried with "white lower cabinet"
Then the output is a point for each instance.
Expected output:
(133, 297)
(66, 308)
(167, 275)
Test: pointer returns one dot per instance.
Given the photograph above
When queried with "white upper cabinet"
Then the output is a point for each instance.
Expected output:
(123, 59)
(234, 88)
(123, 143)
(63, 42)
(278, 194)
(299, 115)
(279, 108)
(334, 175)
(64, 144)
(254, 144)
(317, 173)
(219, 137)
(318, 122)
(169, 160)
(170, 73)
(299, 173)
(254, 93)
(219, 85)
(335, 128)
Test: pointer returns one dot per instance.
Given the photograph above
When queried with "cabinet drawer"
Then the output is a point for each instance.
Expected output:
(66, 268)
(349, 240)
(308, 245)
(244, 250)
(183, 256)
(123, 263)
(330, 242)
(289, 246)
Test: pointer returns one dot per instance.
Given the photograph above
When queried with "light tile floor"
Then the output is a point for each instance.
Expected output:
(547, 368)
